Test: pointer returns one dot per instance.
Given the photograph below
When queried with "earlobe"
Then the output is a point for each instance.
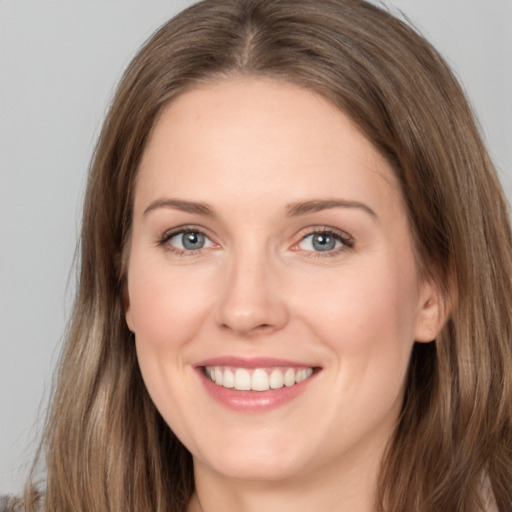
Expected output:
(433, 313)
(127, 309)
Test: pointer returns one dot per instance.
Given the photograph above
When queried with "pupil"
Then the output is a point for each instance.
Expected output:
(324, 242)
(193, 241)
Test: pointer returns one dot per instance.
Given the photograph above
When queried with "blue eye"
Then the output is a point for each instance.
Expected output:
(323, 241)
(189, 241)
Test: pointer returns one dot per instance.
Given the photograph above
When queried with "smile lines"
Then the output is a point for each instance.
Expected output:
(259, 379)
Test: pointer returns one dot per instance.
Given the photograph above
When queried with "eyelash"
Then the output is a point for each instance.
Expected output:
(163, 241)
(347, 242)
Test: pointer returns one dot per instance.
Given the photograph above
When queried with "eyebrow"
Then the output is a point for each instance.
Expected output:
(183, 205)
(317, 205)
(292, 209)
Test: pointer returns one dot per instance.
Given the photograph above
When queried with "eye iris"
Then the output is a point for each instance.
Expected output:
(193, 241)
(323, 242)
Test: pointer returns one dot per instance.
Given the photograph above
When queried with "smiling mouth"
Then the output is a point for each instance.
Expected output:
(257, 379)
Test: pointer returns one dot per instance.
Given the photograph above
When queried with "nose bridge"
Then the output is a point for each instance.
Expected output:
(250, 300)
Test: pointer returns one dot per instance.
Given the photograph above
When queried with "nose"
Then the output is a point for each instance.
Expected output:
(251, 300)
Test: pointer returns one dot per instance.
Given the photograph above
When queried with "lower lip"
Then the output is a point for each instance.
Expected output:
(253, 401)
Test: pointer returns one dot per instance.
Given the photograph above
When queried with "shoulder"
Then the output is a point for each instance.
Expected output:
(487, 496)
(10, 504)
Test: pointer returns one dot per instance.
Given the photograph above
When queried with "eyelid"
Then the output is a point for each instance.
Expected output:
(346, 240)
(166, 236)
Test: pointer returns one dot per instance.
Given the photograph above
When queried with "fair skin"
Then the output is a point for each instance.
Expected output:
(296, 255)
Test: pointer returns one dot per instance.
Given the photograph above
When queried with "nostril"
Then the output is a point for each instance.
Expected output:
(245, 330)
(245, 309)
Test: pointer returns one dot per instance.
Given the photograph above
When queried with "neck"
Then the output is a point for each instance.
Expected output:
(328, 489)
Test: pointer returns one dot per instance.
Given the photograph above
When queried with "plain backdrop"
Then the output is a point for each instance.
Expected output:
(59, 63)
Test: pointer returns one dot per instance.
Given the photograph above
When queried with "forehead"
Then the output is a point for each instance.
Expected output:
(259, 137)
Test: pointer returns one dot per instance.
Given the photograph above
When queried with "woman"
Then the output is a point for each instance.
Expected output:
(295, 286)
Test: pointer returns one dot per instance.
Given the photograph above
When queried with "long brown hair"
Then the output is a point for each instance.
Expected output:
(106, 446)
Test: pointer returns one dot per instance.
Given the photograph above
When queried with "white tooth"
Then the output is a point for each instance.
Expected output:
(276, 379)
(211, 373)
(309, 372)
(259, 381)
(289, 377)
(228, 379)
(218, 376)
(299, 376)
(242, 380)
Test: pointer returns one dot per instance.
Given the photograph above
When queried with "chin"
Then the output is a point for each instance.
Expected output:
(262, 461)
(257, 470)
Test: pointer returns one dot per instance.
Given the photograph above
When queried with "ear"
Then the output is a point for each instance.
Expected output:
(127, 308)
(434, 309)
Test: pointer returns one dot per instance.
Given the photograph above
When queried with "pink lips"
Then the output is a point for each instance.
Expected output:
(249, 362)
(251, 401)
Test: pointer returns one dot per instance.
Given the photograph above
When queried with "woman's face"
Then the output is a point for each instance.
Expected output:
(271, 252)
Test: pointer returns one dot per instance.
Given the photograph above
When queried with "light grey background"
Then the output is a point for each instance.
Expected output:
(59, 62)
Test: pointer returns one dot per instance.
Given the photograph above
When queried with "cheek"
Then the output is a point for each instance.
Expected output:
(366, 317)
(165, 306)
(364, 308)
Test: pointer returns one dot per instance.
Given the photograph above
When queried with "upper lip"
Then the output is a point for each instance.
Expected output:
(252, 362)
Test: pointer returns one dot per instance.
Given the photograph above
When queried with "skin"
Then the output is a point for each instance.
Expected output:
(249, 148)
